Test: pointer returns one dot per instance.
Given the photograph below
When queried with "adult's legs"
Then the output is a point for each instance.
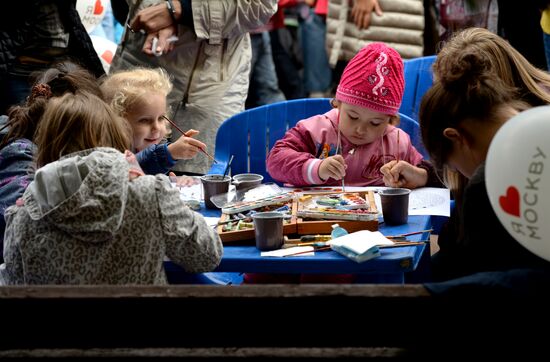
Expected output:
(287, 65)
(264, 87)
(317, 71)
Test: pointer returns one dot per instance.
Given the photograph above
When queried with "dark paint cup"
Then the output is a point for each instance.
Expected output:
(395, 205)
(245, 181)
(214, 185)
(268, 229)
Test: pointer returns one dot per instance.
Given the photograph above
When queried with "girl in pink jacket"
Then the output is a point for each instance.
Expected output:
(356, 140)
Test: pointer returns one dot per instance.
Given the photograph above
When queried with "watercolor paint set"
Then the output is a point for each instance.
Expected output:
(342, 206)
(255, 198)
(240, 226)
(354, 211)
(305, 213)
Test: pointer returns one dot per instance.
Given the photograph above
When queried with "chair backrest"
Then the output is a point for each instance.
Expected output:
(249, 135)
(412, 128)
(418, 79)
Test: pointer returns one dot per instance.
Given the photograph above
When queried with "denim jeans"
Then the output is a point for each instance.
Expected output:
(317, 71)
(287, 64)
(264, 87)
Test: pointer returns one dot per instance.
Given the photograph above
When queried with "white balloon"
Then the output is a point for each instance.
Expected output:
(518, 179)
(91, 12)
(105, 50)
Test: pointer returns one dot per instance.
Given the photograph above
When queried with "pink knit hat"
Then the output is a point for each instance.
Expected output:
(373, 79)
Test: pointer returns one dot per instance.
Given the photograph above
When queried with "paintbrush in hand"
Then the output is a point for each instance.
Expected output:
(186, 134)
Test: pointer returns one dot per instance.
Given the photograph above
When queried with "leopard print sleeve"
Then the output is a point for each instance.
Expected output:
(190, 242)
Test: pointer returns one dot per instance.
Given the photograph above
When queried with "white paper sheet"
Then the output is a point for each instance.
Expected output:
(212, 221)
(289, 251)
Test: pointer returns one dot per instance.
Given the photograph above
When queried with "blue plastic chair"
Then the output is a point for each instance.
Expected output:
(418, 79)
(251, 134)
(412, 128)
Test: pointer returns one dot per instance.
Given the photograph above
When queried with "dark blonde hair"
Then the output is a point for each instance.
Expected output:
(75, 122)
(61, 78)
(124, 89)
(497, 58)
(472, 94)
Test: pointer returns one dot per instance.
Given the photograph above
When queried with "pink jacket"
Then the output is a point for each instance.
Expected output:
(295, 159)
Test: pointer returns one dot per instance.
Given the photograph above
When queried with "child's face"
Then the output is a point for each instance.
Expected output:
(463, 159)
(360, 125)
(147, 121)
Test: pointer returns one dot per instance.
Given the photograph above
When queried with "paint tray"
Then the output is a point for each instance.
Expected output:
(239, 201)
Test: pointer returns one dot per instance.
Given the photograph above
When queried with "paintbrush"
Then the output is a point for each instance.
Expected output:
(186, 134)
(227, 167)
(339, 149)
(309, 251)
(400, 244)
(408, 234)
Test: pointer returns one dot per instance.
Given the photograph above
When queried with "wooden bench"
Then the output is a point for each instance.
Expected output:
(286, 321)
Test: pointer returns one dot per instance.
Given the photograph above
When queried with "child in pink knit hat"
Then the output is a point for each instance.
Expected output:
(357, 140)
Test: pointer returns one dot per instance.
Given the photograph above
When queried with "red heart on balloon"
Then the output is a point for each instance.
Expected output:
(107, 56)
(98, 8)
(510, 202)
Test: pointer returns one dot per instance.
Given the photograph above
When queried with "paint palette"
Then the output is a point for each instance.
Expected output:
(346, 201)
(240, 226)
(255, 198)
(338, 206)
(358, 212)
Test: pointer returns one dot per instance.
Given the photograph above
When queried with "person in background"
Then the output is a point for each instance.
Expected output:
(210, 61)
(499, 58)
(313, 28)
(18, 144)
(264, 84)
(357, 141)
(475, 92)
(35, 35)
(520, 25)
(286, 49)
(92, 217)
(139, 95)
(544, 7)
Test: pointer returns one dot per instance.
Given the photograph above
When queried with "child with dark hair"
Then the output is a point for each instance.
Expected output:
(474, 94)
(17, 146)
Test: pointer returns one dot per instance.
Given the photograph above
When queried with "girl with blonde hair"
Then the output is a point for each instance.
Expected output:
(139, 95)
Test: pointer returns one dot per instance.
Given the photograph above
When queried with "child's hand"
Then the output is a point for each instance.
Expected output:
(333, 167)
(186, 147)
(403, 174)
(135, 169)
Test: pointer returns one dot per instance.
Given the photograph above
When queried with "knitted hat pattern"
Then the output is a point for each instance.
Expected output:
(373, 79)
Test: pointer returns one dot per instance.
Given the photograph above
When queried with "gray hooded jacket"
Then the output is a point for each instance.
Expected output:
(84, 222)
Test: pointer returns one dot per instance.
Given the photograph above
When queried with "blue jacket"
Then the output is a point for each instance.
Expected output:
(155, 159)
(16, 172)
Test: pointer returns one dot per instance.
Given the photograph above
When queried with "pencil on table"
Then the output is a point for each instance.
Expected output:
(187, 135)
